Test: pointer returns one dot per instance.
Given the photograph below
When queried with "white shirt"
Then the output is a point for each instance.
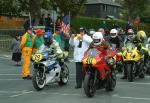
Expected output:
(79, 52)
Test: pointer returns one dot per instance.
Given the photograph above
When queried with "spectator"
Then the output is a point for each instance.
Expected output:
(42, 21)
(81, 43)
(16, 56)
(58, 22)
(57, 37)
(28, 25)
(49, 22)
(38, 40)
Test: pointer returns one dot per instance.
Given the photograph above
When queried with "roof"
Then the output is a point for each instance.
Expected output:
(108, 2)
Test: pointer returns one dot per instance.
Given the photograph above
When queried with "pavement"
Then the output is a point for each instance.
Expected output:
(13, 89)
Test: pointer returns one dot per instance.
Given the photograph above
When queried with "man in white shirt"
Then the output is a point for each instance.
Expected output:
(81, 43)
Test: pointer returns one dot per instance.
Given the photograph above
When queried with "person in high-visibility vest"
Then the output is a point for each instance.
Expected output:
(38, 40)
(26, 47)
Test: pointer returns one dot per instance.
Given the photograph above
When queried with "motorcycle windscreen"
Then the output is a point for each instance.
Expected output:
(130, 47)
(92, 53)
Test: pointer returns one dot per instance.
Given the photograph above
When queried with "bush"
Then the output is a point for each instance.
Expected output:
(96, 23)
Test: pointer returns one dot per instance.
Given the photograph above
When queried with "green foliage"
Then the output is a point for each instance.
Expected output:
(8, 7)
(72, 6)
(96, 23)
(34, 6)
(133, 8)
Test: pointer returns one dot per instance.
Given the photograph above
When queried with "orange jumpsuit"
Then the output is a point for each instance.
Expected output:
(26, 47)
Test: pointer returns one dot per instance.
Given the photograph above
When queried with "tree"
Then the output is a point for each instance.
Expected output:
(8, 7)
(133, 8)
(35, 6)
(72, 6)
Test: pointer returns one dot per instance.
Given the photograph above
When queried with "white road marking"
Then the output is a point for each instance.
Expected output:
(135, 83)
(133, 98)
(11, 79)
(10, 74)
(4, 58)
(23, 93)
(8, 56)
(9, 92)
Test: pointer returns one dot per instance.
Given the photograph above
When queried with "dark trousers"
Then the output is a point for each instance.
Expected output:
(79, 73)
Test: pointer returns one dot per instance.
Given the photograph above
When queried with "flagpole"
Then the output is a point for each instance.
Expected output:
(30, 20)
(54, 22)
(69, 19)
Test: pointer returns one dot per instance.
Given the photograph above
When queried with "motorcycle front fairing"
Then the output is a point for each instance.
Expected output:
(48, 62)
(96, 59)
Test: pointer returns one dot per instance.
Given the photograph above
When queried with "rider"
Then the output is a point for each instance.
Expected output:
(128, 39)
(101, 44)
(51, 45)
(114, 39)
(91, 32)
(140, 42)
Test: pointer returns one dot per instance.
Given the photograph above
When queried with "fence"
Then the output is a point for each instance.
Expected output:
(6, 37)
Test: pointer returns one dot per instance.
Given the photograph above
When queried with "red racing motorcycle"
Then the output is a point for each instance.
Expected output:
(99, 71)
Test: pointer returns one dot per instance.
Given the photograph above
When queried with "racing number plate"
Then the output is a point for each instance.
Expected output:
(37, 57)
(89, 60)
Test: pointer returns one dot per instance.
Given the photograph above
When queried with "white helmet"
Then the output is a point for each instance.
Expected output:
(113, 33)
(91, 32)
(97, 38)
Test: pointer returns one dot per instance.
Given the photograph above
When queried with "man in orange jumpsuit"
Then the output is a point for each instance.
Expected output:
(26, 47)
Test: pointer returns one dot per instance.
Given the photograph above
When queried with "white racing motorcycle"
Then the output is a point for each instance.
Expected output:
(47, 69)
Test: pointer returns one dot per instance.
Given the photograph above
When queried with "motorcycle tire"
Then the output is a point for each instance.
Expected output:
(37, 82)
(142, 69)
(148, 68)
(111, 82)
(64, 75)
(130, 74)
(88, 86)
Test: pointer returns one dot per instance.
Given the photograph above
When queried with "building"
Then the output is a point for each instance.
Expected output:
(101, 8)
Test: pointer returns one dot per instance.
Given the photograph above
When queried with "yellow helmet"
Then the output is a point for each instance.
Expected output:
(141, 36)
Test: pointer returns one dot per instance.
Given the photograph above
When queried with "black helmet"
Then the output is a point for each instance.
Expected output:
(82, 29)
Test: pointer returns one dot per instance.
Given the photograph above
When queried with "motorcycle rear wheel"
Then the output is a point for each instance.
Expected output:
(88, 85)
(38, 80)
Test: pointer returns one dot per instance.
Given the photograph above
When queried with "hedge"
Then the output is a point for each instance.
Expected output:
(96, 23)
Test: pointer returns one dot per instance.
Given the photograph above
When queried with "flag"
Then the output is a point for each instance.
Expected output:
(65, 26)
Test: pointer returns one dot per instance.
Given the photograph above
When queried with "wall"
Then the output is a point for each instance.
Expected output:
(100, 10)
(11, 23)
(92, 10)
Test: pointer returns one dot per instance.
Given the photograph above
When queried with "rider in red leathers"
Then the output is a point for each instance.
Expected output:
(102, 45)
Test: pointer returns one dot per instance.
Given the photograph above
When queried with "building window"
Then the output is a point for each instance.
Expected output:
(105, 8)
(115, 10)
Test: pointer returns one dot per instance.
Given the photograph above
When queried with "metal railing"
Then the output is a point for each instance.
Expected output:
(6, 36)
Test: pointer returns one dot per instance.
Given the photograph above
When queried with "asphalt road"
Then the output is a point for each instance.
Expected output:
(13, 89)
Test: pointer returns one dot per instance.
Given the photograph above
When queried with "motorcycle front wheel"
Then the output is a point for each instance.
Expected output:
(130, 74)
(64, 75)
(88, 85)
(111, 82)
(38, 79)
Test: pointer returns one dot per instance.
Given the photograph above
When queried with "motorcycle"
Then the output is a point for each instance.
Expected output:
(147, 64)
(133, 61)
(118, 59)
(99, 72)
(48, 69)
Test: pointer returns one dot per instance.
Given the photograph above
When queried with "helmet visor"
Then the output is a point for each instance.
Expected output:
(96, 40)
(113, 34)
